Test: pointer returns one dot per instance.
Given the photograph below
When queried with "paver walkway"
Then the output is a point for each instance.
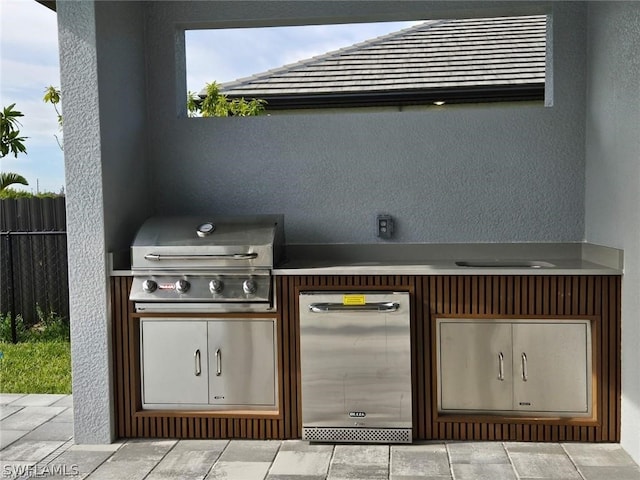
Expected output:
(36, 442)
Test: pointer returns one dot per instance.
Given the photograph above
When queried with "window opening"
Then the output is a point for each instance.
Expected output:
(377, 64)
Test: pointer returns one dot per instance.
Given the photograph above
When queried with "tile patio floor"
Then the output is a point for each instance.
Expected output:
(36, 442)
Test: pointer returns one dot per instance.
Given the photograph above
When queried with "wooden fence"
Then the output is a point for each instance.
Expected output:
(33, 258)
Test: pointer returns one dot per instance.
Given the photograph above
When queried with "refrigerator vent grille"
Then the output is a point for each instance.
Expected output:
(373, 435)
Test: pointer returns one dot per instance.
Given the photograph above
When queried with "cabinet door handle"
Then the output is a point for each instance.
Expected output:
(525, 372)
(501, 367)
(196, 355)
(218, 362)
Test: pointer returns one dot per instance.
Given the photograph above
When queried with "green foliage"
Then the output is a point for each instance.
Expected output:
(241, 108)
(11, 142)
(193, 107)
(9, 178)
(50, 328)
(53, 96)
(216, 104)
(40, 367)
(10, 139)
(10, 193)
(22, 332)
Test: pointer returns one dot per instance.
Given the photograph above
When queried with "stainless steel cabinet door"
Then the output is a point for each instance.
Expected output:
(474, 365)
(174, 362)
(242, 360)
(551, 364)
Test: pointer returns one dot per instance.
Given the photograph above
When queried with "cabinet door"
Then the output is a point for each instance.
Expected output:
(474, 365)
(174, 362)
(552, 367)
(242, 362)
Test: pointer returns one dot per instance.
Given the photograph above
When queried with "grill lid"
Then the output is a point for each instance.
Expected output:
(196, 242)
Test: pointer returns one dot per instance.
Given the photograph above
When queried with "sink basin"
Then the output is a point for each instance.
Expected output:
(504, 264)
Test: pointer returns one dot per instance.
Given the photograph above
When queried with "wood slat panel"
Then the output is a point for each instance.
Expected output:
(597, 296)
(132, 422)
(421, 375)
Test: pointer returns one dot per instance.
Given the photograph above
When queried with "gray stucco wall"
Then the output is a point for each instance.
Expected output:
(102, 74)
(123, 120)
(473, 173)
(491, 173)
(613, 175)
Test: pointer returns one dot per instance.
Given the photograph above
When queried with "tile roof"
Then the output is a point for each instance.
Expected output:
(443, 55)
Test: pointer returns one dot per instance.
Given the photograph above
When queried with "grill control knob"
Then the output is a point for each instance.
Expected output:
(216, 286)
(182, 286)
(249, 286)
(149, 286)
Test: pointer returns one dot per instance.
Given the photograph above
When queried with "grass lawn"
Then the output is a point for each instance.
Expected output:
(35, 367)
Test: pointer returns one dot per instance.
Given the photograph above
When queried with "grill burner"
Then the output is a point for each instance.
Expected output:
(206, 264)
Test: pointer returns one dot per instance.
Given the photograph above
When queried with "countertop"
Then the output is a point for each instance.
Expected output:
(441, 259)
(438, 259)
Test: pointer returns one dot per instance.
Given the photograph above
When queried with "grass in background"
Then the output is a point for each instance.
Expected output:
(35, 367)
(41, 360)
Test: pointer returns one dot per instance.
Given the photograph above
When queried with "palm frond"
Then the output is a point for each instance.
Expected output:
(9, 178)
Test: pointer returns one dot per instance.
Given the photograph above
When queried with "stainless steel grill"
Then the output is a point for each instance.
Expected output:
(206, 263)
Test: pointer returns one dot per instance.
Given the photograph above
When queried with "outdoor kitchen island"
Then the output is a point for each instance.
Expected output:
(543, 284)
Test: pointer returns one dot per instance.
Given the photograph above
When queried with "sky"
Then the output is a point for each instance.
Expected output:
(29, 63)
(246, 52)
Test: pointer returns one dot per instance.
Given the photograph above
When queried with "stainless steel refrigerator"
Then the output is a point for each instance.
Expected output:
(355, 353)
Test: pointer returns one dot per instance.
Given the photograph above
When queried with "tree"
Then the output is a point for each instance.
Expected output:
(8, 178)
(216, 104)
(53, 96)
(11, 142)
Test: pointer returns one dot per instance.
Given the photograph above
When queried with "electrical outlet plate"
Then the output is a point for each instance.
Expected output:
(384, 226)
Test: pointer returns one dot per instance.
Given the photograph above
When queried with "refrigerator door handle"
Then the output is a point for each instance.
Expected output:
(382, 307)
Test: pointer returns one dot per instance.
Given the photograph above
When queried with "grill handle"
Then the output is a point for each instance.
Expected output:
(156, 257)
(367, 307)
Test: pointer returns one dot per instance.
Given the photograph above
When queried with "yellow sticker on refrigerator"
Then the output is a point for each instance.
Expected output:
(353, 300)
